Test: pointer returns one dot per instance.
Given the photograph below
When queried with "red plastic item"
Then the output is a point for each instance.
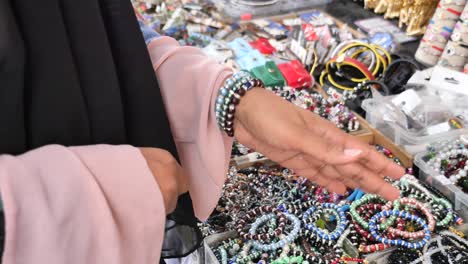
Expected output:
(246, 16)
(310, 32)
(296, 76)
(263, 45)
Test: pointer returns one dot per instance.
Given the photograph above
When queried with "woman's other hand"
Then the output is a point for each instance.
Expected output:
(168, 174)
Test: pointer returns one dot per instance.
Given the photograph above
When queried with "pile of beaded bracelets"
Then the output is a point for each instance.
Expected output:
(399, 242)
(324, 235)
(284, 239)
(426, 212)
(256, 212)
(441, 208)
(229, 97)
(366, 199)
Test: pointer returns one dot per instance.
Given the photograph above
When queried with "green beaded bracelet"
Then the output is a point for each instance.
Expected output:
(367, 198)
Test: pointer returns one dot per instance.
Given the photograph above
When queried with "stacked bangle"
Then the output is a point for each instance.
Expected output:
(229, 97)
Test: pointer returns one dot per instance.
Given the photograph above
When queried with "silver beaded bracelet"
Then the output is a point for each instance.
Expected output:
(229, 97)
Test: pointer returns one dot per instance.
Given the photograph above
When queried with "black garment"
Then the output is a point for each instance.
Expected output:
(12, 130)
(88, 79)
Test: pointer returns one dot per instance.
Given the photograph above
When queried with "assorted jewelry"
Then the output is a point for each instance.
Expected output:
(389, 154)
(356, 66)
(450, 161)
(282, 218)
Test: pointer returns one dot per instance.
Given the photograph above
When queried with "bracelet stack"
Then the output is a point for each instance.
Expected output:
(229, 97)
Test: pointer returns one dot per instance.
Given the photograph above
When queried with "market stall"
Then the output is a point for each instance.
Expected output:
(368, 79)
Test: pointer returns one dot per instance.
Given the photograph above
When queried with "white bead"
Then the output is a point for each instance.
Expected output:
(462, 173)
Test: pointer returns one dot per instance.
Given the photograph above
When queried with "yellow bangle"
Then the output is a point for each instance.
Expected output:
(346, 62)
(378, 58)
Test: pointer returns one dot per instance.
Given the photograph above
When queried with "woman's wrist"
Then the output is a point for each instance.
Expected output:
(247, 103)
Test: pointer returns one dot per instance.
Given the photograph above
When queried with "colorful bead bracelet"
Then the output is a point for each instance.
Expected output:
(258, 211)
(365, 199)
(426, 212)
(398, 242)
(325, 235)
(293, 234)
(229, 97)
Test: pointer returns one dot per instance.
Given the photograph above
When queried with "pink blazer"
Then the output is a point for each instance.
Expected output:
(101, 204)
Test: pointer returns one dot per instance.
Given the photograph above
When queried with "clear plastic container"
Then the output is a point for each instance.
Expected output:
(293, 5)
(212, 242)
(261, 8)
(412, 142)
(441, 183)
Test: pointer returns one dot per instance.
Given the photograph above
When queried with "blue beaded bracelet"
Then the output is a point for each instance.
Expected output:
(229, 97)
(281, 243)
(399, 242)
(325, 235)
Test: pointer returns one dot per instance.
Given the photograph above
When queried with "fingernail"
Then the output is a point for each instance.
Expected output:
(352, 152)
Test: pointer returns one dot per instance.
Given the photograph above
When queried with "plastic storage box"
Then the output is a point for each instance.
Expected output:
(261, 8)
(412, 142)
(454, 193)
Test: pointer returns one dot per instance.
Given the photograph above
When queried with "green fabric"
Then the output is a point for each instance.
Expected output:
(269, 74)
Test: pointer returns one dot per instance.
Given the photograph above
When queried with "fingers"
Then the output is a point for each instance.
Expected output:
(320, 149)
(369, 157)
(324, 175)
(380, 164)
(368, 181)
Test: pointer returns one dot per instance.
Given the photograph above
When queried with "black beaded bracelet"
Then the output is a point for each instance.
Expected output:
(229, 97)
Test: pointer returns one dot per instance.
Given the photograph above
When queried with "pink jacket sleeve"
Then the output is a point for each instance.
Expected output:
(97, 204)
(189, 83)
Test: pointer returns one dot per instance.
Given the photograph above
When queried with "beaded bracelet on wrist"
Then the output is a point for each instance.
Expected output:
(229, 97)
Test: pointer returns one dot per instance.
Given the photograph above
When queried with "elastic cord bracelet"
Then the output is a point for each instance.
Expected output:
(229, 97)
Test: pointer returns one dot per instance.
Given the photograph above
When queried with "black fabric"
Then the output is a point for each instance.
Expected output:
(12, 56)
(54, 103)
(147, 123)
(96, 70)
(86, 79)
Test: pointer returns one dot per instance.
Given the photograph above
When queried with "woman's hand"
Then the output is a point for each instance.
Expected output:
(311, 146)
(168, 174)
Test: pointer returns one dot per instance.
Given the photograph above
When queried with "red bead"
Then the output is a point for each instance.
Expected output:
(235, 101)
